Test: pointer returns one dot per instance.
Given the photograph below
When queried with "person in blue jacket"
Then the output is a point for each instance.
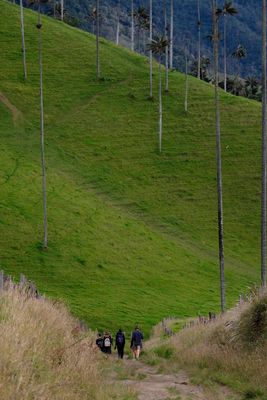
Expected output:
(137, 342)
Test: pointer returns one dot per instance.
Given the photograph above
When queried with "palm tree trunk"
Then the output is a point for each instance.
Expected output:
(167, 49)
(171, 37)
(150, 52)
(97, 41)
(45, 240)
(62, 10)
(264, 158)
(118, 25)
(23, 40)
(186, 84)
(218, 153)
(225, 54)
(199, 40)
(160, 107)
(54, 8)
(132, 25)
(144, 41)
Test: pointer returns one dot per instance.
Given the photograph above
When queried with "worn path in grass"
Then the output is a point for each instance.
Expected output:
(151, 384)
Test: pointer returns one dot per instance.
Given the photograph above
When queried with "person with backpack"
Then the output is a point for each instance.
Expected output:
(107, 343)
(120, 343)
(136, 342)
(99, 342)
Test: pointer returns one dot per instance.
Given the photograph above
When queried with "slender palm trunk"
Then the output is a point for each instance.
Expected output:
(264, 157)
(97, 40)
(45, 240)
(150, 52)
(199, 40)
(186, 84)
(139, 39)
(167, 48)
(54, 8)
(160, 107)
(218, 153)
(23, 40)
(144, 41)
(225, 53)
(132, 25)
(62, 10)
(171, 37)
(118, 25)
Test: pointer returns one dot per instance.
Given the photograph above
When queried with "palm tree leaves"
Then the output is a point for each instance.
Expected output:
(240, 52)
(141, 16)
(158, 45)
(227, 9)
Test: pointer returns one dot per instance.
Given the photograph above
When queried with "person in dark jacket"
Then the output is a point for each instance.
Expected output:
(107, 343)
(136, 342)
(99, 342)
(120, 343)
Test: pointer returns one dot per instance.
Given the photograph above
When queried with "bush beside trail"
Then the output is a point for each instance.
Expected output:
(45, 354)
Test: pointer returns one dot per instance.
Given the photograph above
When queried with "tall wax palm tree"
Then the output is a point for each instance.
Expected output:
(199, 39)
(167, 49)
(118, 23)
(39, 27)
(23, 40)
(215, 37)
(132, 25)
(158, 47)
(264, 144)
(62, 10)
(97, 40)
(141, 17)
(92, 17)
(186, 80)
(227, 10)
(201, 69)
(150, 51)
(171, 36)
(57, 11)
(239, 53)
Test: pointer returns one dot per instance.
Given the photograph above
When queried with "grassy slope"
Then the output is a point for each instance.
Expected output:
(133, 235)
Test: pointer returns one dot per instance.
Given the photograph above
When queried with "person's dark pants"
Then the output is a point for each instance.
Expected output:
(120, 350)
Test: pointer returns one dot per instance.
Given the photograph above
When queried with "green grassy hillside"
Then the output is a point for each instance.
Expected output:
(132, 234)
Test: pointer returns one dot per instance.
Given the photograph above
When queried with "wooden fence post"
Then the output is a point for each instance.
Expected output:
(1, 280)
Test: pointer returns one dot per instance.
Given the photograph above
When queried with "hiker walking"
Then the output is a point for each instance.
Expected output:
(120, 343)
(107, 343)
(99, 341)
(136, 342)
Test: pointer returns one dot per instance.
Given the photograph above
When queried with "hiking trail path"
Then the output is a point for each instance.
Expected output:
(150, 384)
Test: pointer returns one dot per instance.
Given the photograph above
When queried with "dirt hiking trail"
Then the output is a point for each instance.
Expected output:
(150, 384)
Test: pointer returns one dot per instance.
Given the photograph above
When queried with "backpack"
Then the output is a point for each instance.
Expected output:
(120, 338)
(107, 342)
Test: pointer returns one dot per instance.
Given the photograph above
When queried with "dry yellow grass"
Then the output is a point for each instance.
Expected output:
(223, 351)
(45, 355)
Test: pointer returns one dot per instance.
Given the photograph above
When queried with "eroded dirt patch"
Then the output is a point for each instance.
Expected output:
(16, 114)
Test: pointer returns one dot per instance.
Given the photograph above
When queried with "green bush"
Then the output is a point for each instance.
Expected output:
(165, 351)
(253, 323)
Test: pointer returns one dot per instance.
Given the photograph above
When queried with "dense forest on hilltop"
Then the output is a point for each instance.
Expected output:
(243, 29)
